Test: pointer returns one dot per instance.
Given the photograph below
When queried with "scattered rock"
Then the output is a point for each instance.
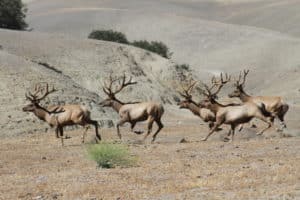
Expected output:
(183, 140)
(44, 158)
(276, 148)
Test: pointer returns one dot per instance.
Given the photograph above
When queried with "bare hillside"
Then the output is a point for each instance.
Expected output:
(78, 69)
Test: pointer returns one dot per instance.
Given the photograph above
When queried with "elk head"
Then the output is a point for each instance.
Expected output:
(239, 85)
(111, 90)
(210, 95)
(39, 93)
(186, 94)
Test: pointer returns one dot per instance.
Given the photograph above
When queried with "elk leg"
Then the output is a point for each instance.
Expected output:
(210, 125)
(84, 134)
(132, 125)
(232, 131)
(227, 137)
(160, 126)
(56, 132)
(241, 126)
(95, 123)
(120, 123)
(216, 126)
(269, 122)
(61, 130)
(282, 122)
(150, 123)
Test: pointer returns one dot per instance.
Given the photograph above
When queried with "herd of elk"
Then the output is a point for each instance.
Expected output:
(132, 112)
(232, 115)
(274, 105)
(58, 116)
(188, 103)
(209, 109)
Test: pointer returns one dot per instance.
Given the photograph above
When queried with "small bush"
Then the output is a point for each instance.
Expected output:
(114, 36)
(109, 35)
(180, 67)
(109, 155)
(155, 47)
(12, 14)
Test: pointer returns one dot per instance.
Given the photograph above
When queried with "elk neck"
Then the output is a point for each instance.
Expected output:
(43, 114)
(193, 107)
(215, 106)
(116, 105)
(244, 96)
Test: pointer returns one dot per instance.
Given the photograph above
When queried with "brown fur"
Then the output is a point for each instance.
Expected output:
(133, 112)
(60, 116)
(275, 105)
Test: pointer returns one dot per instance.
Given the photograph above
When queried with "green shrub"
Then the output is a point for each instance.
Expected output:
(181, 67)
(109, 155)
(108, 35)
(155, 47)
(12, 14)
(114, 36)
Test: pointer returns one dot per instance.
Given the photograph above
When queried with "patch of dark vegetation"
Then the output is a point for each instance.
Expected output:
(114, 36)
(109, 35)
(154, 46)
(49, 67)
(13, 14)
(182, 67)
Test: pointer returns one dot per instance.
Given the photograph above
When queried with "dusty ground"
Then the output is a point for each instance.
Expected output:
(37, 167)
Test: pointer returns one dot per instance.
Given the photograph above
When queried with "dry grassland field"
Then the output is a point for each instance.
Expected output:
(209, 37)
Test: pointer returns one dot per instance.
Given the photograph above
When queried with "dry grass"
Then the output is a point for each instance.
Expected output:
(37, 167)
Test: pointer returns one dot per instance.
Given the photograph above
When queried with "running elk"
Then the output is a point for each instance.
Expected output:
(188, 103)
(232, 115)
(132, 112)
(275, 105)
(58, 116)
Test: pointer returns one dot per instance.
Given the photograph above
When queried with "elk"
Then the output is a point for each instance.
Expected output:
(232, 115)
(56, 115)
(188, 103)
(132, 112)
(274, 104)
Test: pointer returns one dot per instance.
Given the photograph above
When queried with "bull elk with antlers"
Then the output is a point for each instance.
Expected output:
(58, 116)
(231, 115)
(188, 103)
(132, 112)
(275, 105)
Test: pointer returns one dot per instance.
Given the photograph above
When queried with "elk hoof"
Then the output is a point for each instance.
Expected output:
(203, 139)
(138, 132)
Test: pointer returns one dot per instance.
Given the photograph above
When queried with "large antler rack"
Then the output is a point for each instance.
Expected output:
(242, 78)
(215, 84)
(187, 91)
(122, 83)
(40, 92)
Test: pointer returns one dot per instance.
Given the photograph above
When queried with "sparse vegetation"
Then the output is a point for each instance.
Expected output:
(114, 36)
(108, 155)
(182, 67)
(12, 14)
(154, 46)
(109, 35)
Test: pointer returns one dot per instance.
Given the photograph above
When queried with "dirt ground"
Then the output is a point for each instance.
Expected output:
(36, 166)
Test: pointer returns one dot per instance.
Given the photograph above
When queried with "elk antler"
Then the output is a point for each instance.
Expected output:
(187, 92)
(122, 84)
(38, 88)
(239, 82)
(215, 84)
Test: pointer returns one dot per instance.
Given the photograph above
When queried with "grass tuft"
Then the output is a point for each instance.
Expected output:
(108, 155)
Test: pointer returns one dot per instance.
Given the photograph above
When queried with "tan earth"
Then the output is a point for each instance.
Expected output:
(212, 36)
